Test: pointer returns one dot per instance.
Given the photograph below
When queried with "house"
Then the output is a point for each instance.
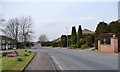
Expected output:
(108, 42)
(87, 32)
(6, 43)
(57, 40)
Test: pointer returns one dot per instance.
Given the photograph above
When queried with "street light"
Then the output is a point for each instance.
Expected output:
(67, 36)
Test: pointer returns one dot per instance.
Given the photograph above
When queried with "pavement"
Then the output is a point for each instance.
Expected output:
(41, 61)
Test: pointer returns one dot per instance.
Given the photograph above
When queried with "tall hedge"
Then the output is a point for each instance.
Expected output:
(79, 36)
(102, 27)
(73, 36)
(64, 41)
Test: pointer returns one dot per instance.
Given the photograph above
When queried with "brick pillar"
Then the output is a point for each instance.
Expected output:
(99, 47)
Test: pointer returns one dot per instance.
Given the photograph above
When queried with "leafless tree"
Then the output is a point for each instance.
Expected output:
(26, 31)
(19, 29)
(12, 29)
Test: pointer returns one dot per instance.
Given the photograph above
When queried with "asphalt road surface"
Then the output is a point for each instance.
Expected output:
(68, 59)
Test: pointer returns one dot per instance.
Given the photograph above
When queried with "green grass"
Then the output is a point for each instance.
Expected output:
(11, 63)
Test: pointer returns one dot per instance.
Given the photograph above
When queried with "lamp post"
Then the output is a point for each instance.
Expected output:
(67, 36)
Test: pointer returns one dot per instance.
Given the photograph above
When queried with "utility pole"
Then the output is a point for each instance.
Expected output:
(67, 36)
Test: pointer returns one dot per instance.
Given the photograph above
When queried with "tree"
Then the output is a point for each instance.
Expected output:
(43, 38)
(12, 30)
(26, 32)
(73, 36)
(19, 29)
(64, 41)
(79, 36)
(114, 27)
(102, 27)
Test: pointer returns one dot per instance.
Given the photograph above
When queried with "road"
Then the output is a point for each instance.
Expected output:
(68, 59)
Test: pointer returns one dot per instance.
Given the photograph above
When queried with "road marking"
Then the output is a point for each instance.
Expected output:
(52, 63)
(57, 63)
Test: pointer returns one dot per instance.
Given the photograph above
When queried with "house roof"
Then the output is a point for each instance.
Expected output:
(5, 37)
(86, 31)
(57, 40)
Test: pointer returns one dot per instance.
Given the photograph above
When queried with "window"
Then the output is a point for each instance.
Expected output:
(3, 41)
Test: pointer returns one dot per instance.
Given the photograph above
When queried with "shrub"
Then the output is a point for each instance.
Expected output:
(26, 55)
(73, 46)
(82, 41)
(87, 40)
(19, 59)
(84, 46)
(25, 50)
(29, 51)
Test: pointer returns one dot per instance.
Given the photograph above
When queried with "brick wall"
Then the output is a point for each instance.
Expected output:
(113, 47)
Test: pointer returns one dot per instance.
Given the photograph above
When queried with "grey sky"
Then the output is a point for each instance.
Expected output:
(52, 18)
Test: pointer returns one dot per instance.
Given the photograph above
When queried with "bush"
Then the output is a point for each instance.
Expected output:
(25, 50)
(73, 46)
(26, 55)
(82, 41)
(84, 46)
(19, 59)
(87, 40)
(29, 51)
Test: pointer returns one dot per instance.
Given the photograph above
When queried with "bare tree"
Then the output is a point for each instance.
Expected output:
(43, 38)
(19, 29)
(12, 30)
(26, 31)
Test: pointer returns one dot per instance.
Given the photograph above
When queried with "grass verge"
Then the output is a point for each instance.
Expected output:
(11, 63)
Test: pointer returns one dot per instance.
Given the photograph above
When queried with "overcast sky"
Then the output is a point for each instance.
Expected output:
(52, 18)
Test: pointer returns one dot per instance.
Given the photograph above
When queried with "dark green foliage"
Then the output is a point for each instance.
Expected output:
(114, 27)
(26, 54)
(79, 36)
(25, 50)
(84, 46)
(82, 41)
(19, 59)
(29, 51)
(73, 46)
(64, 41)
(20, 45)
(69, 40)
(73, 36)
(46, 44)
(102, 27)
(28, 44)
(88, 38)
(55, 44)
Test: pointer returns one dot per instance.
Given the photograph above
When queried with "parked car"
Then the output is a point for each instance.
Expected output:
(10, 54)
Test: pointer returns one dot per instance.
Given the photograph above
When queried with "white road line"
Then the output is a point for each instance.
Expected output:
(57, 63)
(52, 64)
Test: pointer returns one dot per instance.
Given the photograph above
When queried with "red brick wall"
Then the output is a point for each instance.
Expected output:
(113, 47)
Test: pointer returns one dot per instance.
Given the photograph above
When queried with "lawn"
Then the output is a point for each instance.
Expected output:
(11, 63)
